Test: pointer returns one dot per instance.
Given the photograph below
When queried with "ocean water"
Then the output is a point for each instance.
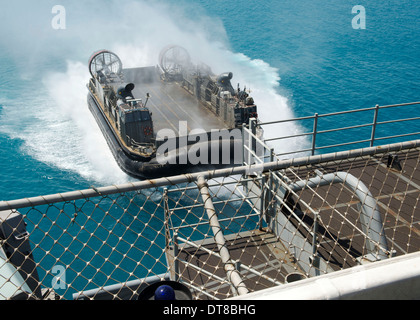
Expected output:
(297, 57)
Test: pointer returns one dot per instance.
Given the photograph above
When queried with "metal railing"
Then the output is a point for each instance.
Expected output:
(327, 137)
(111, 242)
(222, 233)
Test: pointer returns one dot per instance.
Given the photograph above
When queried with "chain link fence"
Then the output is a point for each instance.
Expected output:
(221, 234)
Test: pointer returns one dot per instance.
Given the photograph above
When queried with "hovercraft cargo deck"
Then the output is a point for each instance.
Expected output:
(168, 119)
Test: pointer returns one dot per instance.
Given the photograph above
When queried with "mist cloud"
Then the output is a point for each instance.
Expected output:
(54, 63)
(27, 35)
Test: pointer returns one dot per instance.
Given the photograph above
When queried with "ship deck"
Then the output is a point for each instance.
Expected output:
(265, 260)
(259, 257)
(397, 195)
(170, 104)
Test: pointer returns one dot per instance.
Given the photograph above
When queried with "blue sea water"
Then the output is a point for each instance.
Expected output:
(306, 55)
(298, 58)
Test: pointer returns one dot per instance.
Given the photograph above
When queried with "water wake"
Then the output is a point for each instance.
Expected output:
(57, 127)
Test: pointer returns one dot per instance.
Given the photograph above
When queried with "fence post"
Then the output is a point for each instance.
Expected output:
(243, 143)
(263, 206)
(375, 121)
(232, 275)
(315, 260)
(314, 133)
(167, 217)
(176, 253)
(253, 144)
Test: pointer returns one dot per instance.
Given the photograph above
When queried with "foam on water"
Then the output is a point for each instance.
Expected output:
(52, 118)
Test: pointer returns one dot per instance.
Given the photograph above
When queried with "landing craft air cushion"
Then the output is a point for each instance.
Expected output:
(191, 119)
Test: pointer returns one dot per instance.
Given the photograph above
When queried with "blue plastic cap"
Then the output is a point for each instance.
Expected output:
(165, 292)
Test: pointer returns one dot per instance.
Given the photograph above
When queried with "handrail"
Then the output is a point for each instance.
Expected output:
(401, 104)
(189, 178)
(340, 113)
(316, 130)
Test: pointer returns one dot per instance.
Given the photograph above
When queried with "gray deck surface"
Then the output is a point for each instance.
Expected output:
(397, 194)
(170, 104)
